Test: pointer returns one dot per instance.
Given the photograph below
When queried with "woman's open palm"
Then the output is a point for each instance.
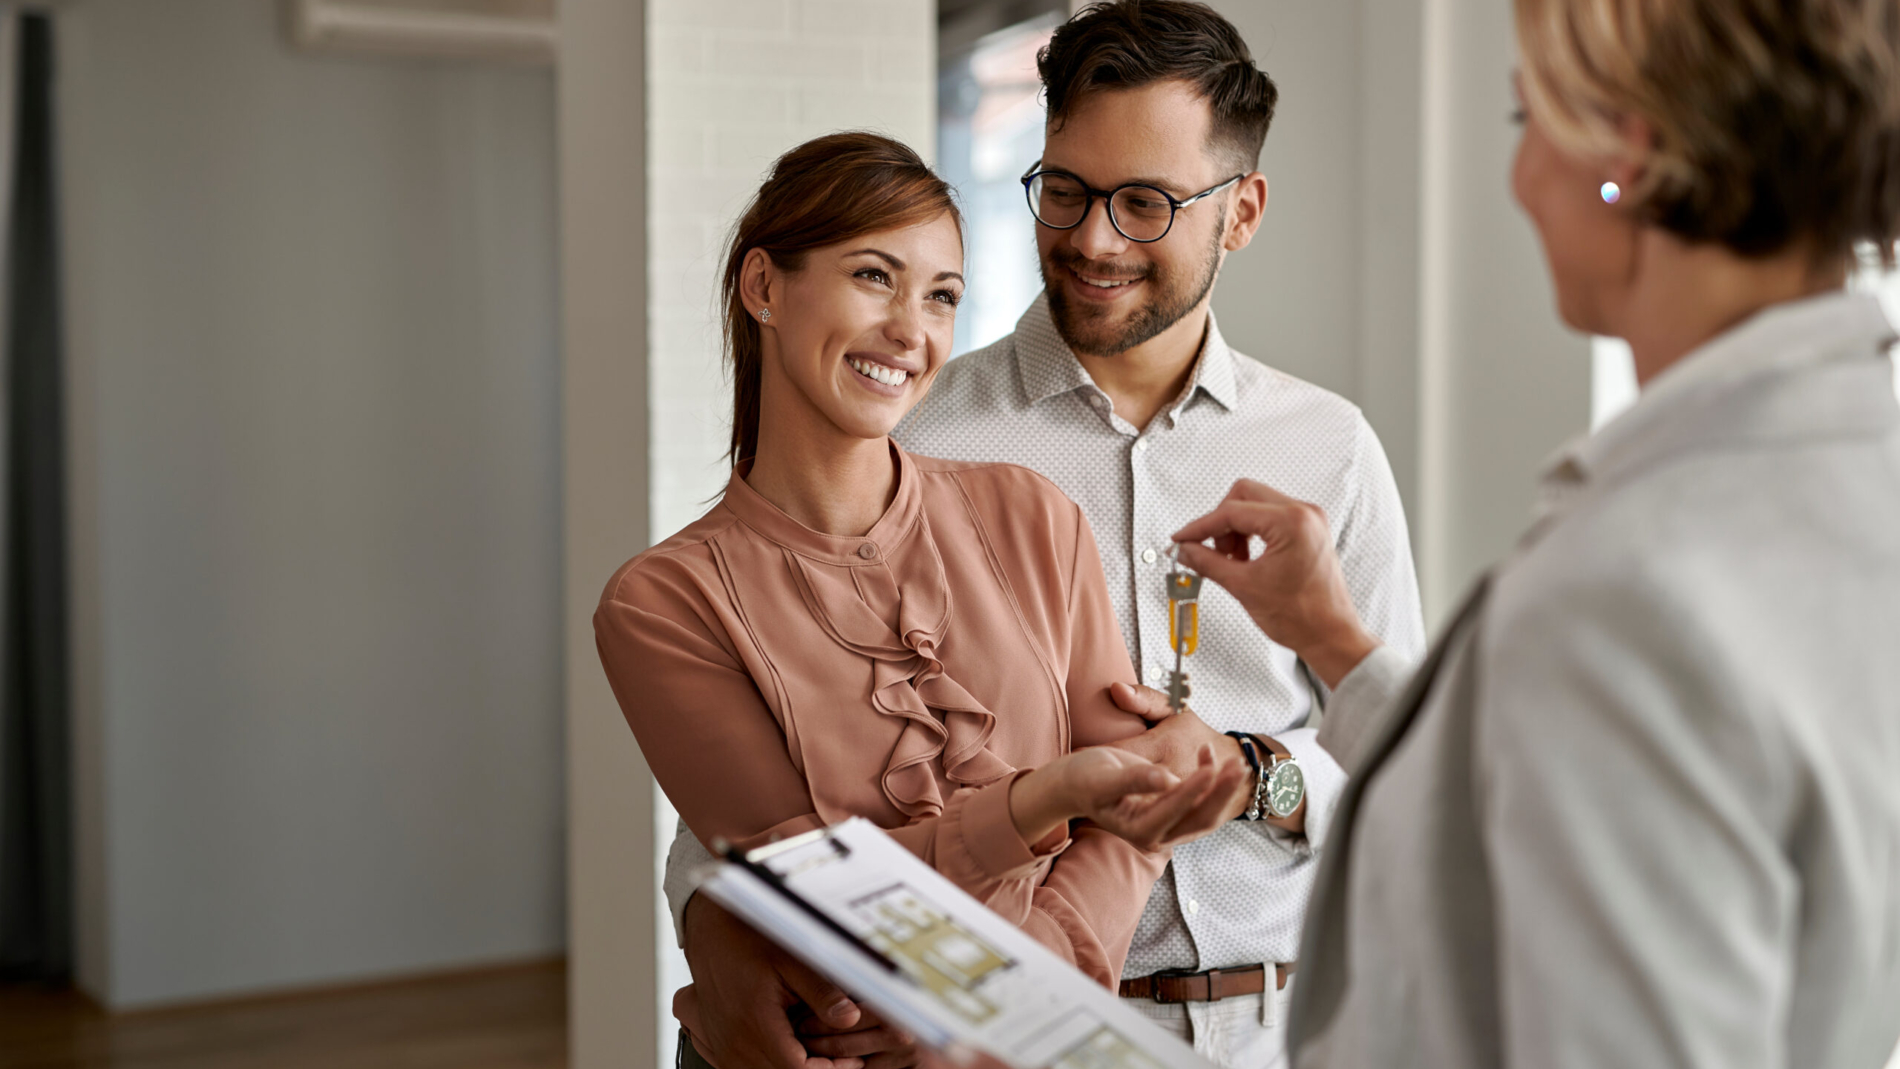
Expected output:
(1116, 790)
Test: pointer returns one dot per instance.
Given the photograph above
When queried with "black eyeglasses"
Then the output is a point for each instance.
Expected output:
(1142, 213)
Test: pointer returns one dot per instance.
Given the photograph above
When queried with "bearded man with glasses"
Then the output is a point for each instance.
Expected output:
(1117, 386)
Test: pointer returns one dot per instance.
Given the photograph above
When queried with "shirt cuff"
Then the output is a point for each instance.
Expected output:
(684, 858)
(1361, 701)
(982, 826)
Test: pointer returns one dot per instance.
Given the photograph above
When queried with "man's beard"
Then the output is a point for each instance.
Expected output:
(1090, 332)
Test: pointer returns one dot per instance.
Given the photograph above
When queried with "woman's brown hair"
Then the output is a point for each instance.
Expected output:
(828, 190)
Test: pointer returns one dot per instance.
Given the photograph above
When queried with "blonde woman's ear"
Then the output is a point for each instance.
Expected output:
(1627, 170)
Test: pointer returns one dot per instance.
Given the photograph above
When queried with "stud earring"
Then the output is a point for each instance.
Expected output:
(765, 315)
(1611, 192)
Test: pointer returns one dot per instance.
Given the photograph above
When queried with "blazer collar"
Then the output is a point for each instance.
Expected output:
(1817, 367)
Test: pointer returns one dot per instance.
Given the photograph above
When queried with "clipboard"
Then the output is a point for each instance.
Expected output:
(927, 958)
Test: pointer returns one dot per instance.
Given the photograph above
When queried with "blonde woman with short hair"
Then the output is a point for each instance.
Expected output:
(1641, 805)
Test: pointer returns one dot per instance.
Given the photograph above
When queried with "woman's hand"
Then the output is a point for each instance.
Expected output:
(1195, 806)
(1132, 797)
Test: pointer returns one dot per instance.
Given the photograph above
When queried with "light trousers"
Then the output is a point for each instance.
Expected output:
(1242, 1032)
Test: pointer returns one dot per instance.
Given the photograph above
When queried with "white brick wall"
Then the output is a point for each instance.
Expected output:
(732, 84)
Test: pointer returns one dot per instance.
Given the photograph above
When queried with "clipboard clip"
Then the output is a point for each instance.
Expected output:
(764, 873)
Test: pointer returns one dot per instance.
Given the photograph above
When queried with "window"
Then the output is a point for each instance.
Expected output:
(989, 130)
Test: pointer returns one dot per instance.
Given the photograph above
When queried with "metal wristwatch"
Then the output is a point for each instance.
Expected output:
(1278, 784)
(1280, 787)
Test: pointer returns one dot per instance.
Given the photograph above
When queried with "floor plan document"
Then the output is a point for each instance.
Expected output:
(856, 906)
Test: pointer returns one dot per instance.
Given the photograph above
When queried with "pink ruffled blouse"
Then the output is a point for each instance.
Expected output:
(779, 680)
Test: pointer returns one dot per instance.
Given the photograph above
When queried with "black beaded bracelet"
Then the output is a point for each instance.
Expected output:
(1250, 750)
(1248, 747)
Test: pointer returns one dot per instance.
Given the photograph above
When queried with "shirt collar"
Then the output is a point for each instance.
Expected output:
(1048, 368)
(1685, 403)
(872, 547)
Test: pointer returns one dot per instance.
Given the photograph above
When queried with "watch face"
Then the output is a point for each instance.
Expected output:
(1286, 788)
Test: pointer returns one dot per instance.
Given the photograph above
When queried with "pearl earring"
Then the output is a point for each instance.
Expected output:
(1611, 192)
(765, 315)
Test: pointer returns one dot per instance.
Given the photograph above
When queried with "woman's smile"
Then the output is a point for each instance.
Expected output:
(877, 376)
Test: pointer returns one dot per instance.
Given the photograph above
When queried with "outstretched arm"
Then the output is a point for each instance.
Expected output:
(1298, 594)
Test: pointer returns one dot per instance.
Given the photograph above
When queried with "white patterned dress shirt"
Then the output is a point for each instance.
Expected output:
(1238, 896)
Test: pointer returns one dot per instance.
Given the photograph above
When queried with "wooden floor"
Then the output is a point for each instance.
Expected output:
(513, 1018)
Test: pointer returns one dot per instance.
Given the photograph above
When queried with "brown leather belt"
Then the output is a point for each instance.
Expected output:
(1210, 986)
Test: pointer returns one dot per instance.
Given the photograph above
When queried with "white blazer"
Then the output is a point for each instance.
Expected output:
(1641, 807)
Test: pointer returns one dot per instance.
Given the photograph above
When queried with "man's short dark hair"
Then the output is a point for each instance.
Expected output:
(1126, 44)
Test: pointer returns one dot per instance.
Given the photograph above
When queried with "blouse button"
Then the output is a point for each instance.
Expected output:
(867, 551)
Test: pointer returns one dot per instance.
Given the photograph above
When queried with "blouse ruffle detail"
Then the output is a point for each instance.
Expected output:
(908, 678)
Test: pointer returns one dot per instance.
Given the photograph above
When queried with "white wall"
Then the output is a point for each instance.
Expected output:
(733, 84)
(1399, 273)
(614, 930)
(1502, 382)
(314, 390)
(1328, 291)
(1291, 298)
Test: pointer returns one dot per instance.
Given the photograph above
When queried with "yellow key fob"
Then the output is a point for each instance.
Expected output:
(1184, 611)
(1184, 626)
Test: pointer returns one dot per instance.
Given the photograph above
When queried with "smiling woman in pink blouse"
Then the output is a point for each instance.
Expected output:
(855, 631)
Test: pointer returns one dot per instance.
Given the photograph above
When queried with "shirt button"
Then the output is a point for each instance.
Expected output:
(1098, 401)
(867, 551)
(1157, 675)
(1147, 556)
(1141, 445)
(1194, 906)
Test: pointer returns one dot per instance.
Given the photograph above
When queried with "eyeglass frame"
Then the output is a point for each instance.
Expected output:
(1108, 200)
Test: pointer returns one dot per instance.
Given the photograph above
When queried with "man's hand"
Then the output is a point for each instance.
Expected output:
(1176, 741)
(877, 1044)
(1295, 591)
(744, 988)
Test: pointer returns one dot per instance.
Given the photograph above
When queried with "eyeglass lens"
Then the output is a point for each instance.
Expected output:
(1139, 212)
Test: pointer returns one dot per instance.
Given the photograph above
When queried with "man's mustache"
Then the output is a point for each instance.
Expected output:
(1107, 269)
